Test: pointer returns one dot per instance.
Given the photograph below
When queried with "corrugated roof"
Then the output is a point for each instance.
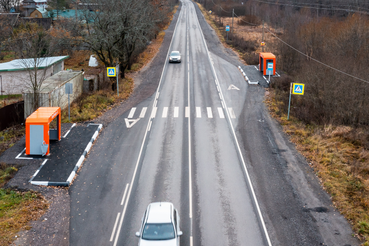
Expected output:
(23, 64)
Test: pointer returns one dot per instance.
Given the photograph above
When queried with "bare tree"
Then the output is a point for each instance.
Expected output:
(6, 5)
(120, 28)
(32, 45)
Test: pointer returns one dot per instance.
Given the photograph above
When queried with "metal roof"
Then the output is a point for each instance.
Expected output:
(24, 64)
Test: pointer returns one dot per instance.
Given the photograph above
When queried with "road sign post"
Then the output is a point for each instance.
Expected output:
(68, 90)
(117, 79)
(227, 30)
(297, 89)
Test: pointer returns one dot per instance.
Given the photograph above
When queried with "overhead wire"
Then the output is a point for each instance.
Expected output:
(326, 8)
(302, 53)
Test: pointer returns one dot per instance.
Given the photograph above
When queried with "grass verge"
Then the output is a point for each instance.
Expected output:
(17, 208)
(340, 158)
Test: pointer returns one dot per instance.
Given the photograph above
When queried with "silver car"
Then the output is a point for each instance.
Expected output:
(160, 225)
(175, 56)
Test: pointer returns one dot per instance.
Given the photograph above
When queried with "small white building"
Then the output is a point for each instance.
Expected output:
(17, 76)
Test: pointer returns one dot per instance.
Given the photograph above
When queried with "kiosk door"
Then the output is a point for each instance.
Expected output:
(36, 137)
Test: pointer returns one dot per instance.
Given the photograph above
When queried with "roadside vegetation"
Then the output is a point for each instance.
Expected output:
(18, 208)
(329, 124)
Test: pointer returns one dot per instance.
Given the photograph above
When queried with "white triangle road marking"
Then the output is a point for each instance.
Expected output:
(232, 87)
(130, 123)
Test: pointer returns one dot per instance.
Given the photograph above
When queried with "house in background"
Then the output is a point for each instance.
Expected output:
(15, 75)
(39, 13)
(28, 7)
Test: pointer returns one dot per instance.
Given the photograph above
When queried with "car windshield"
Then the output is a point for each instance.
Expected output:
(175, 53)
(158, 231)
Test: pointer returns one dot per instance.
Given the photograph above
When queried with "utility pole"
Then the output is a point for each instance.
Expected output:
(262, 48)
(232, 20)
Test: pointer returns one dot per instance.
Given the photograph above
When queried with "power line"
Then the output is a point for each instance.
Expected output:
(302, 53)
(296, 5)
(220, 7)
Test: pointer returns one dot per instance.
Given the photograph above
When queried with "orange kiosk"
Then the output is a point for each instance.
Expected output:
(267, 63)
(38, 134)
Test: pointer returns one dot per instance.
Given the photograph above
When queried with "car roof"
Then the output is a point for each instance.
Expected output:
(175, 51)
(159, 212)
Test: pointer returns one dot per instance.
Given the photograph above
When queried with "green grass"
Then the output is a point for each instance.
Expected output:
(10, 96)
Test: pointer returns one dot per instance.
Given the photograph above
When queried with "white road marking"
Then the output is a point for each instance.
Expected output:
(124, 194)
(143, 112)
(130, 123)
(153, 113)
(198, 112)
(165, 112)
(131, 113)
(220, 111)
(223, 105)
(176, 112)
(240, 155)
(210, 113)
(149, 127)
(187, 112)
(114, 228)
(231, 113)
(66, 134)
(232, 87)
(142, 145)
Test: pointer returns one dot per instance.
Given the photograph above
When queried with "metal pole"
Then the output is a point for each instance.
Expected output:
(232, 19)
(289, 103)
(117, 79)
(262, 47)
(227, 36)
(69, 107)
(1, 77)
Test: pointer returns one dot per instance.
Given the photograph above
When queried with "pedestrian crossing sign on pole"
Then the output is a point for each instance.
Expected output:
(111, 71)
(298, 89)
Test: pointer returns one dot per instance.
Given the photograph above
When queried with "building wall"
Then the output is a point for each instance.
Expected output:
(56, 97)
(36, 14)
(19, 82)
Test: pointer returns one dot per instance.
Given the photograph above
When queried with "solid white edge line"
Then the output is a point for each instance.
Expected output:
(65, 135)
(114, 228)
(266, 235)
(143, 143)
(20, 153)
(143, 112)
(124, 194)
(189, 138)
(132, 112)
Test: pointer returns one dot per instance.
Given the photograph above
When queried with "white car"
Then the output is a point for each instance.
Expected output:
(160, 225)
(175, 56)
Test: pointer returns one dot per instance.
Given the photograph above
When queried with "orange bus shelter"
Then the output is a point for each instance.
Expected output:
(264, 59)
(38, 134)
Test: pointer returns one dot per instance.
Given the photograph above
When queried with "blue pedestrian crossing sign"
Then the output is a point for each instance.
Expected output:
(227, 28)
(111, 71)
(298, 89)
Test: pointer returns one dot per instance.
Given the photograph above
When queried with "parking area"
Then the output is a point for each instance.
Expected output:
(66, 156)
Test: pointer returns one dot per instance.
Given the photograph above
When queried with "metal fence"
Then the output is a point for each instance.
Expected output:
(11, 115)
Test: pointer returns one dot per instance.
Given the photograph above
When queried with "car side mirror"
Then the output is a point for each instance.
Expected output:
(138, 234)
(180, 233)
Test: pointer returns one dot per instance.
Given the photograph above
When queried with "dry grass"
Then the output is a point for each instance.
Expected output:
(10, 136)
(16, 210)
(340, 158)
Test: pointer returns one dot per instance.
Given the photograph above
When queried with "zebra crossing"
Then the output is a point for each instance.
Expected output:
(177, 112)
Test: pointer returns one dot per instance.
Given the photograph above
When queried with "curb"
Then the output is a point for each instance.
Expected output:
(73, 173)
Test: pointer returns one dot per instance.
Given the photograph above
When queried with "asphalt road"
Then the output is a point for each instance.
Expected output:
(203, 142)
